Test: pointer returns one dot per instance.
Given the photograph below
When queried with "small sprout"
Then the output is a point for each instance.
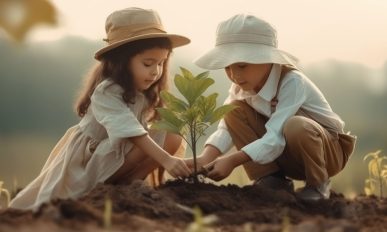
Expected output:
(286, 221)
(248, 227)
(107, 214)
(377, 170)
(14, 187)
(201, 223)
(6, 193)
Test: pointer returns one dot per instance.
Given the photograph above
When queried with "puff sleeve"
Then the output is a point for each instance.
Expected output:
(114, 114)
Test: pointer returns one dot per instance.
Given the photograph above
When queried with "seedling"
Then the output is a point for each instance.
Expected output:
(201, 223)
(6, 193)
(286, 224)
(377, 170)
(190, 117)
(107, 214)
(15, 187)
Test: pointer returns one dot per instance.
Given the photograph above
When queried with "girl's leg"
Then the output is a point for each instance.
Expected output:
(137, 165)
(132, 159)
(245, 126)
(152, 170)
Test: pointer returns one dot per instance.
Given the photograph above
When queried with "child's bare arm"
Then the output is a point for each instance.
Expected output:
(223, 166)
(175, 166)
(209, 154)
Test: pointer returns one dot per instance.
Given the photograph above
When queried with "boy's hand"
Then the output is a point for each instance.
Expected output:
(199, 162)
(209, 154)
(223, 166)
(219, 169)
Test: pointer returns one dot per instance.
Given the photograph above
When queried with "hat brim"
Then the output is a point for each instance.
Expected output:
(226, 54)
(176, 40)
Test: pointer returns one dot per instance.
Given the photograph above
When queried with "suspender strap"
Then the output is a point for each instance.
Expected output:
(274, 101)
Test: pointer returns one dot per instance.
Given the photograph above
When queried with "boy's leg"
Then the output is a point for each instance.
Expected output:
(245, 126)
(312, 153)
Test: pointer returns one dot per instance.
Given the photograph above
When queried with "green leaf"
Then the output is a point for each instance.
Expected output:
(220, 112)
(183, 85)
(190, 115)
(203, 75)
(199, 87)
(169, 116)
(172, 102)
(201, 127)
(165, 126)
(210, 102)
(186, 73)
(207, 107)
(191, 89)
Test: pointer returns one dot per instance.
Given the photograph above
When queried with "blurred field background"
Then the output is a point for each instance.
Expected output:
(39, 81)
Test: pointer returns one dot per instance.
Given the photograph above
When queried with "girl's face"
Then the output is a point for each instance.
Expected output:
(250, 77)
(147, 67)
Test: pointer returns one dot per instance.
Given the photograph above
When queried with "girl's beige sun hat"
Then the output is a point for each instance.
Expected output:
(132, 24)
(244, 38)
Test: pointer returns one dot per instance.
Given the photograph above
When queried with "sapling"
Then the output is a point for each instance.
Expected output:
(201, 223)
(377, 170)
(191, 116)
(107, 213)
(6, 193)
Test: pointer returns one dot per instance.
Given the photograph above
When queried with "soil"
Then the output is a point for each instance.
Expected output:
(139, 207)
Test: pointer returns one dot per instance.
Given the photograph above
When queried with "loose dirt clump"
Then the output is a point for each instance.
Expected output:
(139, 207)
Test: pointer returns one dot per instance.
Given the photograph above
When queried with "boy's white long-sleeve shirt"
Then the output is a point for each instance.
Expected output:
(297, 95)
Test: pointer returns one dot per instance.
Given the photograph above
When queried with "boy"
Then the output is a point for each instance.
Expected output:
(283, 126)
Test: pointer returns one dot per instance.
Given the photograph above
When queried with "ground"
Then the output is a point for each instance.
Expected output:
(139, 207)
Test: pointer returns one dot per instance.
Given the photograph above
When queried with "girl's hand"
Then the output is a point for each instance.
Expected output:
(209, 154)
(176, 167)
(200, 162)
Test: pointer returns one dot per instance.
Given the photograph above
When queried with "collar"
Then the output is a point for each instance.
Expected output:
(268, 90)
(270, 87)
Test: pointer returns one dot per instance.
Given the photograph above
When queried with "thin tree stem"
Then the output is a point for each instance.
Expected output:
(192, 135)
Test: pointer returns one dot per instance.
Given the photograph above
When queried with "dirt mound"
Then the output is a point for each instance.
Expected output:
(138, 207)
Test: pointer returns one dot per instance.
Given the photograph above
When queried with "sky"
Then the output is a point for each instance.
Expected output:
(312, 30)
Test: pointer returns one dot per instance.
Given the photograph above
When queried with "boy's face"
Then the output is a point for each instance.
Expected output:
(250, 77)
(147, 67)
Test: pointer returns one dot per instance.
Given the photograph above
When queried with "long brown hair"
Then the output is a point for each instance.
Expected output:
(114, 66)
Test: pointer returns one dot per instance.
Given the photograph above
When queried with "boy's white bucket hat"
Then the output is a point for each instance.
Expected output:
(244, 38)
(132, 24)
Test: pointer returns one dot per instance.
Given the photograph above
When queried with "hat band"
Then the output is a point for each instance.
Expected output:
(246, 38)
(121, 33)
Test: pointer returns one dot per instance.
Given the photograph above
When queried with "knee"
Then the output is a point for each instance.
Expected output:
(172, 143)
(298, 128)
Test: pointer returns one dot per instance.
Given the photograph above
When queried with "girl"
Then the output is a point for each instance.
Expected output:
(283, 125)
(112, 143)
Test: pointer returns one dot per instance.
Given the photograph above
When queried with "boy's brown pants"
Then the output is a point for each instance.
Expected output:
(312, 153)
